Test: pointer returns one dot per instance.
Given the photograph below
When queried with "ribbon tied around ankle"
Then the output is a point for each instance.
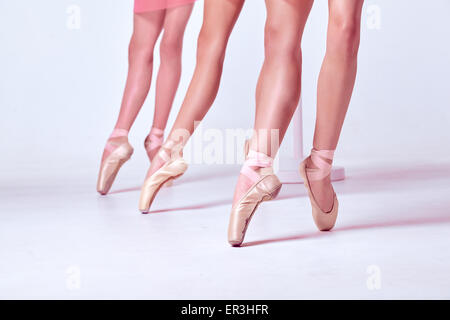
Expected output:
(323, 167)
(155, 139)
(255, 159)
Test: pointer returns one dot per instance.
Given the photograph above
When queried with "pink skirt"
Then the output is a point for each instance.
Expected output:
(152, 5)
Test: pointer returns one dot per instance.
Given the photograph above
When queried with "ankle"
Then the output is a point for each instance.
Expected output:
(256, 165)
(118, 132)
(319, 164)
(156, 131)
(154, 140)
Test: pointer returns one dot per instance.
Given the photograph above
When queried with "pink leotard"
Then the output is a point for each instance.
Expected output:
(152, 5)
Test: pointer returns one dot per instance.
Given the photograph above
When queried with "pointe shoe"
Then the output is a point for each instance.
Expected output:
(110, 166)
(324, 221)
(168, 183)
(171, 170)
(266, 187)
(152, 143)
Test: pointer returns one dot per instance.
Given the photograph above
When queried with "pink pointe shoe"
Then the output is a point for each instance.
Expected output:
(152, 144)
(174, 167)
(266, 186)
(117, 151)
(324, 221)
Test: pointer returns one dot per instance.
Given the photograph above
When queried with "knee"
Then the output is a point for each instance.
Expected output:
(280, 41)
(343, 38)
(211, 46)
(171, 47)
(139, 50)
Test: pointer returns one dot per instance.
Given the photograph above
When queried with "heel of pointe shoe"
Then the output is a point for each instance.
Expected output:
(275, 193)
(153, 141)
(239, 221)
(324, 221)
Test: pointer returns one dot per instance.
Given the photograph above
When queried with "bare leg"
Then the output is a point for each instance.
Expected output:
(147, 28)
(170, 69)
(335, 86)
(279, 84)
(219, 19)
(169, 73)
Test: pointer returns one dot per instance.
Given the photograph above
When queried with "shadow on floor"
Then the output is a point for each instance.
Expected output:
(361, 181)
(200, 175)
(206, 205)
(125, 190)
(386, 224)
(373, 179)
(378, 178)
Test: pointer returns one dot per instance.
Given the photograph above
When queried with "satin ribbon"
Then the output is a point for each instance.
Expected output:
(155, 138)
(255, 159)
(119, 133)
(319, 159)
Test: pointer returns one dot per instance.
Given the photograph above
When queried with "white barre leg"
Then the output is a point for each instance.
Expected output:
(291, 154)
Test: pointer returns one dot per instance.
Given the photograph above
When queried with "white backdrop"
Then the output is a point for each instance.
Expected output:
(60, 88)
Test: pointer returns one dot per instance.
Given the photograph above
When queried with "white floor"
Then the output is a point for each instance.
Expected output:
(59, 239)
